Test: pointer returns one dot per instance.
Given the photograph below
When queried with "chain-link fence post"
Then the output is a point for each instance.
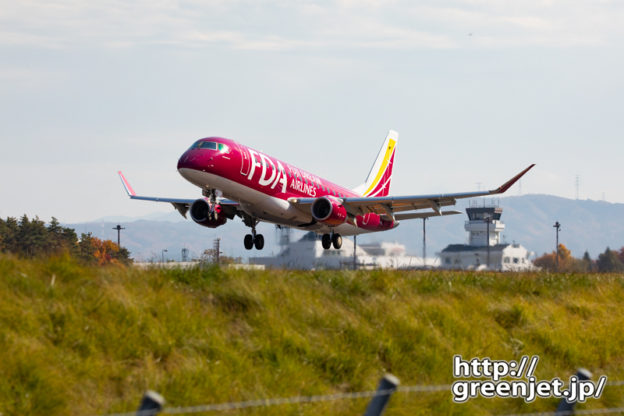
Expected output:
(387, 386)
(151, 404)
(565, 407)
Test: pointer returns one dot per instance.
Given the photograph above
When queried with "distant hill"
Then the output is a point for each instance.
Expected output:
(529, 219)
(147, 238)
(585, 225)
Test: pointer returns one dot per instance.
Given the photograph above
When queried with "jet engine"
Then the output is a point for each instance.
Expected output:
(329, 211)
(203, 215)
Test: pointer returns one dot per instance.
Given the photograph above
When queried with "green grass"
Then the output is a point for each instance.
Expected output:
(82, 341)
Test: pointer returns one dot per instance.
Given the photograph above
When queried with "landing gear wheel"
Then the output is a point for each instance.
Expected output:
(337, 241)
(259, 241)
(326, 241)
(249, 241)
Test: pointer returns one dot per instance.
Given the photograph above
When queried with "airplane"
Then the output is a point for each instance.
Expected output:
(237, 180)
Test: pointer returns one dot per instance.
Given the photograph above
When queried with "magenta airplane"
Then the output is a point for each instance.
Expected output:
(239, 181)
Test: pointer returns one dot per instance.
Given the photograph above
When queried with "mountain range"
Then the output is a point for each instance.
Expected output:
(586, 225)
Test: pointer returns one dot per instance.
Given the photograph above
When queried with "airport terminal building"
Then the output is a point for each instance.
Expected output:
(308, 253)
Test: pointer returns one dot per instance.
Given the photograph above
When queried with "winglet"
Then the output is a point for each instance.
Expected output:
(126, 185)
(510, 182)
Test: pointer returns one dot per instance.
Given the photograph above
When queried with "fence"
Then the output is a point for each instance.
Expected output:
(152, 403)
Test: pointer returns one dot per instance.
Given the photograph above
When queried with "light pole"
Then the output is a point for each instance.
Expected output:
(557, 228)
(488, 221)
(163, 255)
(424, 243)
(354, 252)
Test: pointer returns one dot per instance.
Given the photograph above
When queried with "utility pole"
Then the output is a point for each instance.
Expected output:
(216, 249)
(354, 253)
(424, 243)
(557, 228)
(163, 255)
(118, 228)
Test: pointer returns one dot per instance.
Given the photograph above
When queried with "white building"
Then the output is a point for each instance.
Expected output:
(484, 249)
(308, 253)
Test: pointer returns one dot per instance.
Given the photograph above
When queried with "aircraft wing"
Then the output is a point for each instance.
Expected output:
(395, 206)
(180, 204)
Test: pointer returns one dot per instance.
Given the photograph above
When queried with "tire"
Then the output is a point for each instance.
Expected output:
(259, 242)
(337, 241)
(326, 241)
(249, 243)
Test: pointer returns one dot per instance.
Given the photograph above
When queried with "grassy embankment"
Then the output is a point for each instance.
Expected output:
(78, 340)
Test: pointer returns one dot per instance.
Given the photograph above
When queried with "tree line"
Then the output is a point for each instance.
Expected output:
(32, 238)
(611, 261)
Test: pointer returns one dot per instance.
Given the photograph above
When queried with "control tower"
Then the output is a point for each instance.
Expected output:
(484, 224)
(485, 249)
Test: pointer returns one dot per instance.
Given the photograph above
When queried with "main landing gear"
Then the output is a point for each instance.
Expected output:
(335, 239)
(253, 240)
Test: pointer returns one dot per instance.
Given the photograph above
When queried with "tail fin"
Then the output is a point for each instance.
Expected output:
(378, 180)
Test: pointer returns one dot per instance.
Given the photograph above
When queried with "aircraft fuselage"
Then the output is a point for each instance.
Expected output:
(263, 184)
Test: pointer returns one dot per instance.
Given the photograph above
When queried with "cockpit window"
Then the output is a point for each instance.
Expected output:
(200, 144)
(208, 145)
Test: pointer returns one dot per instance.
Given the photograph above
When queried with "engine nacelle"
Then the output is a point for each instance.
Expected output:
(202, 215)
(329, 211)
(374, 222)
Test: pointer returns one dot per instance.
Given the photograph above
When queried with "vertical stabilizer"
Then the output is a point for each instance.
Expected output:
(378, 180)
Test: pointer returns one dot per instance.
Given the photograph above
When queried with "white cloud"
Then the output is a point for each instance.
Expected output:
(293, 25)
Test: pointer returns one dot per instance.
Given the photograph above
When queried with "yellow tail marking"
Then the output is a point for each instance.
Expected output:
(383, 167)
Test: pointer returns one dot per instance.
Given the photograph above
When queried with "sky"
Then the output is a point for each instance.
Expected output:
(477, 89)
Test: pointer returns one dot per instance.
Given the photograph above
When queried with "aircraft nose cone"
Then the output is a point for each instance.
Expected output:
(183, 161)
(188, 160)
(194, 159)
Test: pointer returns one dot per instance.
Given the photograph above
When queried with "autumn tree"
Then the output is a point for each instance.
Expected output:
(567, 263)
(101, 252)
